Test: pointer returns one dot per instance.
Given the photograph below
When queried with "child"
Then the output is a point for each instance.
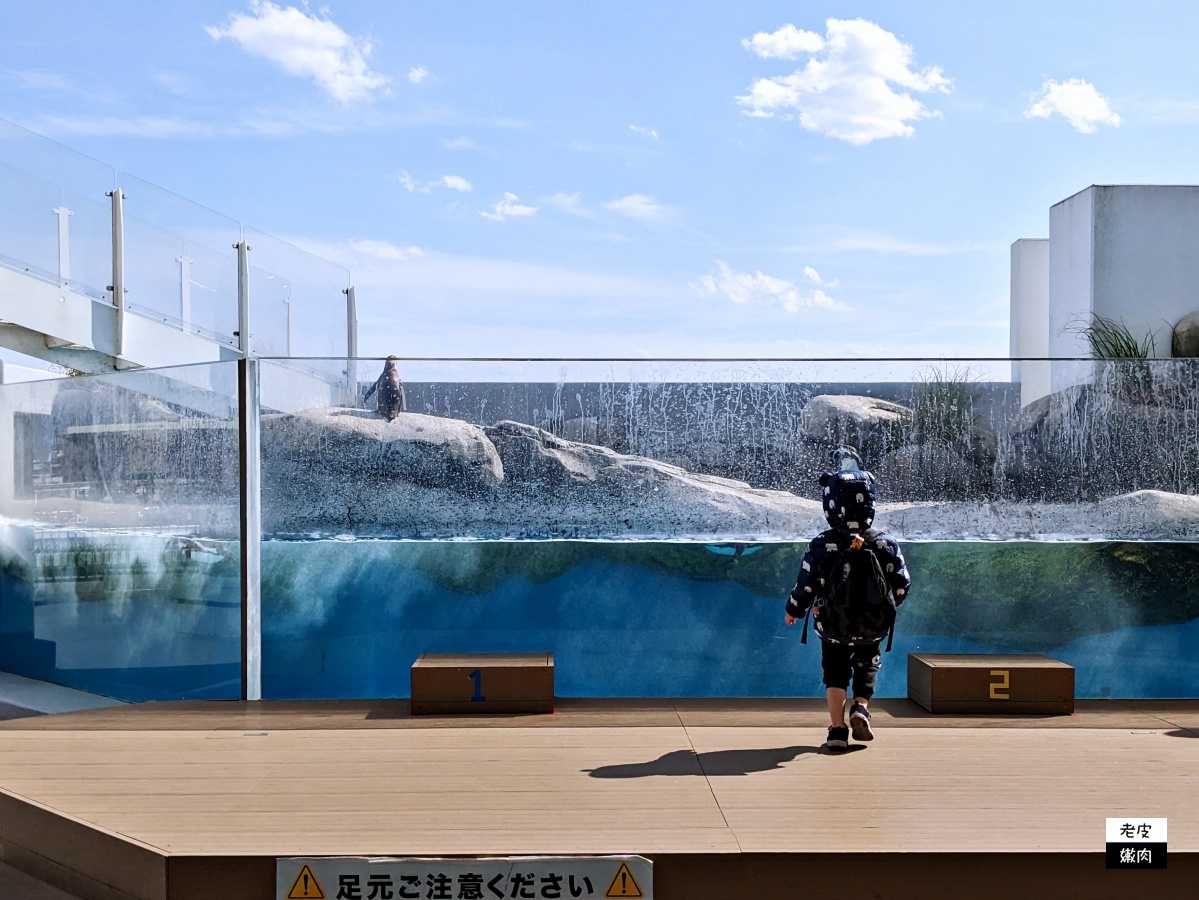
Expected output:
(852, 579)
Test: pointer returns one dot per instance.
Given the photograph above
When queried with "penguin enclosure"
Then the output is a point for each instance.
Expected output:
(641, 521)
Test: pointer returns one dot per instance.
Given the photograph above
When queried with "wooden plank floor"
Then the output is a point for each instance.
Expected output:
(116, 797)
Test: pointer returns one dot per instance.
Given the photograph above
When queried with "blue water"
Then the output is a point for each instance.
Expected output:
(346, 619)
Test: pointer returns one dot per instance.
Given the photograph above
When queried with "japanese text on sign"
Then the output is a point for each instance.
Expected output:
(502, 878)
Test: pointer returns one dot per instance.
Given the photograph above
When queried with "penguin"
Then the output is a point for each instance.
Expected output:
(390, 388)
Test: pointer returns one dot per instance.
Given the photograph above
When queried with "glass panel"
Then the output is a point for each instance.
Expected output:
(180, 262)
(153, 263)
(270, 312)
(90, 245)
(315, 297)
(644, 520)
(346, 619)
(119, 550)
(29, 226)
(490, 462)
(51, 161)
(42, 185)
(212, 292)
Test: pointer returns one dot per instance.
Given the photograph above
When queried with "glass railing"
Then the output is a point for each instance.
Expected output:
(716, 450)
(300, 313)
(180, 261)
(641, 520)
(57, 223)
(180, 265)
(119, 532)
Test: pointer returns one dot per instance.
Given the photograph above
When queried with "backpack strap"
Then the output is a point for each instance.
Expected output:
(803, 638)
(871, 534)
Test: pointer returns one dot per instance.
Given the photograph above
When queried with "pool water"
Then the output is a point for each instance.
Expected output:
(346, 619)
(151, 617)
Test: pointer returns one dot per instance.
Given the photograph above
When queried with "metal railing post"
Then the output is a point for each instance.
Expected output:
(118, 267)
(243, 296)
(351, 345)
(250, 477)
(64, 244)
(185, 290)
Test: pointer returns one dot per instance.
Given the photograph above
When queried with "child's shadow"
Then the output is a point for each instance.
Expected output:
(715, 762)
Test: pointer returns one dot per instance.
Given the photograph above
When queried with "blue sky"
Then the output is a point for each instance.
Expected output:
(757, 179)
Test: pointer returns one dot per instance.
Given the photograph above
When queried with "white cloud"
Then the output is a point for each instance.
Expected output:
(855, 240)
(471, 305)
(858, 89)
(786, 43)
(1078, 101)
(383, 251)
(417, 74)
(742, 287)
(306, 46)
(154, 127)
(453, 182)
(508, 207)
(647, 132)
(460, 143)
(413, 186)
(637, 206)
(206, 121)
(812, 275)
(571, 203)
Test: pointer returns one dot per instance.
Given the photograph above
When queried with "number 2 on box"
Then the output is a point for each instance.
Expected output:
(477, 677)
(999, 689)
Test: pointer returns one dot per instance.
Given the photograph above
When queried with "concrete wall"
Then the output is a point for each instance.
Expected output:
(1071, 267)
(1127, 252)
(1029, 334)
(1146, 257)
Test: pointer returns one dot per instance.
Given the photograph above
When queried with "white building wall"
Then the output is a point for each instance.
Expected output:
(1071, 257)
(1029, 331)
(1126, 252)
(1146, 257)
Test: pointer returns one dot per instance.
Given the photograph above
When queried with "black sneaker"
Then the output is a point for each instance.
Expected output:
(838, 738)
(859, 721)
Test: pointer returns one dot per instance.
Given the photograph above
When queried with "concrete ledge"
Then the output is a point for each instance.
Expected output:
(44, 697)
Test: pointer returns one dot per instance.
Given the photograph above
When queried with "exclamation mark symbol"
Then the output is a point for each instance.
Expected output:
(624, 883)
(305, 884)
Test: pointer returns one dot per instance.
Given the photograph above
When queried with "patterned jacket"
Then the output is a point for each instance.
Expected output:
(809, 584)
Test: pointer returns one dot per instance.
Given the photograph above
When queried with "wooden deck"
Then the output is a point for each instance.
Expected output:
(731, 799)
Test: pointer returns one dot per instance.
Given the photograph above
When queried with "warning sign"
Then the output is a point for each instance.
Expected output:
(479, 878)
(624, 884)
(306, 887)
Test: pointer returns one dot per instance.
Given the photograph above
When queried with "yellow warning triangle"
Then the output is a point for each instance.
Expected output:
(624, 884)
(306, 887)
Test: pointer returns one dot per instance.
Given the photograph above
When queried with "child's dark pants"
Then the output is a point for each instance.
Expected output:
(838, 660)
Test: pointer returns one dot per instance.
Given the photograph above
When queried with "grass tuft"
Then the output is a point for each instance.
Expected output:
(1111, 339)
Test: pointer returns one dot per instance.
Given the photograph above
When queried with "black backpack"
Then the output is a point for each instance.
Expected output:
(857, 606)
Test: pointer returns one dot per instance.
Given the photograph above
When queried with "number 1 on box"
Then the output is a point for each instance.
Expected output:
(477, 677)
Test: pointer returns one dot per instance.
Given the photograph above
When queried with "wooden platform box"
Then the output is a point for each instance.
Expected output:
(985, 683)
(483, 683)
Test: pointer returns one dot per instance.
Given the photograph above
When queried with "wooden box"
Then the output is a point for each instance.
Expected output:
(986, 683)
(483, 683)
